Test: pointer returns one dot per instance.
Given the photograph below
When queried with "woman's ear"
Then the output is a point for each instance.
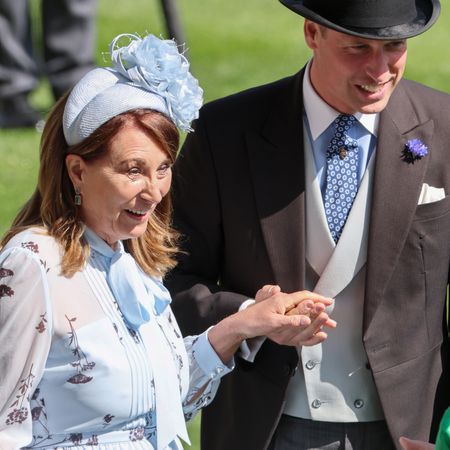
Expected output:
(75, 168)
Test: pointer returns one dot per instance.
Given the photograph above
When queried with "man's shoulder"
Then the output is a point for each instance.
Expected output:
(423, 96)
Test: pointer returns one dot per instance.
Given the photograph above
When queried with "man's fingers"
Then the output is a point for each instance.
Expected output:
(298, 320)
(304, 295)
(410, 444)
(315, 339)
(297, 338)
(319, 321)
(267, 291)
(312, 311)
(304, 308)
(299, 330)
(297, 298)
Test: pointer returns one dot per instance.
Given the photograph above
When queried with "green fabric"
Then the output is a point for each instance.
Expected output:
(443, 437)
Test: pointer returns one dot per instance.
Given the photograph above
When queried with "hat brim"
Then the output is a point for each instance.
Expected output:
(427, 13)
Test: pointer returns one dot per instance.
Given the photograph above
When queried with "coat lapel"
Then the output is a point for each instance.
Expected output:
(277, 171)
(397, 186)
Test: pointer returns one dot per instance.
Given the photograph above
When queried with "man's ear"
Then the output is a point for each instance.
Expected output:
(75, 166)
(311, 31)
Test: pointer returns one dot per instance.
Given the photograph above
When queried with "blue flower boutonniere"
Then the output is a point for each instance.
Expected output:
(414, 150)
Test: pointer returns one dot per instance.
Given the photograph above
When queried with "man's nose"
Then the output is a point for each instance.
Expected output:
(378, 65)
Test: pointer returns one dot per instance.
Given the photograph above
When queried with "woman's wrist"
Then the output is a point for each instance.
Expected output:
(226, 337)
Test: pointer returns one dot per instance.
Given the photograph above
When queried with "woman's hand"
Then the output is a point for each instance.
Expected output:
(410, 444)
(268, 317)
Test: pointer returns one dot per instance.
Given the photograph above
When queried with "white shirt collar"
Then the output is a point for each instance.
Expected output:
(320, 114)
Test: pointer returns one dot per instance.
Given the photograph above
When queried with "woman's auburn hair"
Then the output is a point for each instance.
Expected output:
(52, 204)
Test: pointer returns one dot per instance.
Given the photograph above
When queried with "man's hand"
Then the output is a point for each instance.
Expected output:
(311, 304)
(409, 444)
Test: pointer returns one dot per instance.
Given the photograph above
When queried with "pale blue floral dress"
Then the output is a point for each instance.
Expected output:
(72, 373)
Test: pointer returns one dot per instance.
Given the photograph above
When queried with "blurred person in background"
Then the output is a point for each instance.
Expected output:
(68, 45)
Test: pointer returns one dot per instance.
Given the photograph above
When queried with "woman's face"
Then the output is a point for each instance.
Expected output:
(121, 189)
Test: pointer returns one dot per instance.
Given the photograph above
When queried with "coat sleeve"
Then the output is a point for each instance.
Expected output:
(198, 301)
(25, 336)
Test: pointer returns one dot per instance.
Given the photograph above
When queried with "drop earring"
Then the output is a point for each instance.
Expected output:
(77, 199)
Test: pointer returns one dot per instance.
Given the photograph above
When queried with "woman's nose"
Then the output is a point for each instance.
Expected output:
(151, 191)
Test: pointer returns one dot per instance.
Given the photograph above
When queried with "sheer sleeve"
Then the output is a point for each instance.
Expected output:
(25, 336)
(205, 371)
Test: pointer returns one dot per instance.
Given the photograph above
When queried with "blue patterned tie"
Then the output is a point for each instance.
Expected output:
(342, 175)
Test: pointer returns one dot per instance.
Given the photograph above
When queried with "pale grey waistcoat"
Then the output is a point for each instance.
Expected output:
(333, 382)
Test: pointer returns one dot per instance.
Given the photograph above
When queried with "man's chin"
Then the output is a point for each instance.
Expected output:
(373, 108)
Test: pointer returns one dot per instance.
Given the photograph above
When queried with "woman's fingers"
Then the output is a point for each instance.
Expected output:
(301, 330)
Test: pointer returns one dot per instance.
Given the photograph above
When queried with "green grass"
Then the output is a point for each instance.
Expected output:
(231, 47)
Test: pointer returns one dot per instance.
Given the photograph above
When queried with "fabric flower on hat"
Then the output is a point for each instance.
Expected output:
(157, 65)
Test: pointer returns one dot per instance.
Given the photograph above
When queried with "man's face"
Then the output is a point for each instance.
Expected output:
(354, 74)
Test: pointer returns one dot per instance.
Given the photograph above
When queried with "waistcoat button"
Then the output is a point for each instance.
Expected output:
(358, 403)
(316, 403)
(310, 364)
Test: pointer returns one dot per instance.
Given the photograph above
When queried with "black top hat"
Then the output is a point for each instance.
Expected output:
(372, 19)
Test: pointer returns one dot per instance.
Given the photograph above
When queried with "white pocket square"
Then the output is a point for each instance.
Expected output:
(430, 194)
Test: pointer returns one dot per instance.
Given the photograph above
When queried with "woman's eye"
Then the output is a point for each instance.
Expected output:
(134, 172)
(164, 168)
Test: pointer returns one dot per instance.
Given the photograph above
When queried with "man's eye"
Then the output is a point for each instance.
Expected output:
(359, 47)
(397, 45)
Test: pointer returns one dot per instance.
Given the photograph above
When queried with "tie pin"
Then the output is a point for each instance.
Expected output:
(342, 153)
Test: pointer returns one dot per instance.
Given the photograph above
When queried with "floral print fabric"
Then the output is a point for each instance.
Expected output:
(72, 374)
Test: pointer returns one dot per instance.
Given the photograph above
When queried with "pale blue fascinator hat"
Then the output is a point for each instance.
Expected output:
(148, 73)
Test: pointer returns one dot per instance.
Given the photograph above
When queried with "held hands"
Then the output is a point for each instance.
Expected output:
(307, 307)
(288, 319)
